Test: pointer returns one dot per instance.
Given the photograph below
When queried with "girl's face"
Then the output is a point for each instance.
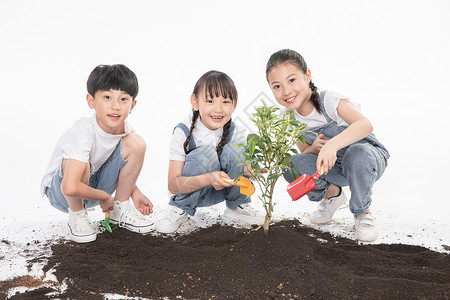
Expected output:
(215, 112)
(290, 86)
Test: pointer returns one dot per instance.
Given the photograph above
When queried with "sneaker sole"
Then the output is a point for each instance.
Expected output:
(82, 238)
(134, 228)
(366, 238)
(171, 228)
(247, 219)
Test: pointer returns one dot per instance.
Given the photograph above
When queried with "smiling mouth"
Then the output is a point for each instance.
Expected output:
(290, 100)
(114, 116)
(217, 118)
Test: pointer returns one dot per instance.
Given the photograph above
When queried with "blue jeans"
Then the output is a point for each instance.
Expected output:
(205, 160)
(104, 179)
(358, 167)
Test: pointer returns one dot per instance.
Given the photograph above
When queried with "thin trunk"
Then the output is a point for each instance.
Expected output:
(269, 211)
(266, 224)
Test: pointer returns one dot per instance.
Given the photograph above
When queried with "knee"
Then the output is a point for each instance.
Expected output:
(304, 162)
(203, 158)
(231, 152)
(358, 158)
(133, 143)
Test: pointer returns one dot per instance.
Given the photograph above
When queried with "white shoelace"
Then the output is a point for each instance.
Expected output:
(123, 216)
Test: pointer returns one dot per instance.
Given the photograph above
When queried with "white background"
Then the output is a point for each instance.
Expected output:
(392, 57)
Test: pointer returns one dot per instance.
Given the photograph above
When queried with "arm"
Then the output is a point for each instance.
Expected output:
(179, 184)
(359, 127)
(74, 184)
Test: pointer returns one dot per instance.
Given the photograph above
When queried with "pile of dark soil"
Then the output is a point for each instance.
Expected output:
(291, 262)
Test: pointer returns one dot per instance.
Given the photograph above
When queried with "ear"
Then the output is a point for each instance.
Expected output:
(133, 104)
(90, 101)
(308, 75)
(234, 105)
(194, 102)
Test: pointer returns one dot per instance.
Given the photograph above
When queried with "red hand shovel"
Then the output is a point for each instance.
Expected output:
(302, 186)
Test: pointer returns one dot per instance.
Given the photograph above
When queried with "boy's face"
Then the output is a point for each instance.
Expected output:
(111, 109)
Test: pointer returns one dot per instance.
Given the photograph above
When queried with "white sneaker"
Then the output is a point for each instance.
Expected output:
(365, 229)
(245, 213)
(172, 218)
(80, 230)
(326, 209)
(128, 217)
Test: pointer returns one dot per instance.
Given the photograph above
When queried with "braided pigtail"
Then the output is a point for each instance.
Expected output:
(224, 139)
(195, 115)
(315, 97)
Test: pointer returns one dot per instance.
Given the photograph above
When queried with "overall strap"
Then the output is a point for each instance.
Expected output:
(322, 105)
(186, 131)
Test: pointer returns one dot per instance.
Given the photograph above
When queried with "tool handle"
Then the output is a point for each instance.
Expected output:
(316, 175)
(108, 214)
(238, 183)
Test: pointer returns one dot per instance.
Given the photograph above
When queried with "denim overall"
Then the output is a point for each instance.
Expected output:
(204, 160)
(358, 165)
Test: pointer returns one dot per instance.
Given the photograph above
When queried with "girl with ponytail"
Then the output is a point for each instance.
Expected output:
(202, 152)
(343, 149)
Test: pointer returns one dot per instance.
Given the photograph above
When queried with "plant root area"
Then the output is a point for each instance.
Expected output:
(221, 262)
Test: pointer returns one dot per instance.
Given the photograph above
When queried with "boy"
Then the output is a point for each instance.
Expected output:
(99, 155)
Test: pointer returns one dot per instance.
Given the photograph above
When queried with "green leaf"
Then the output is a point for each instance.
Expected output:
(294, 174)
(273, 176)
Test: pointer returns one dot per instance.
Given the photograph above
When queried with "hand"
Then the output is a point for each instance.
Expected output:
(107, 204)
(318, 143)
(142, 203)
(216, 181)
(326, 158)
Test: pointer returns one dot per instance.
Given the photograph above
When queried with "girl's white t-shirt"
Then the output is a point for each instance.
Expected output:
(331, 102)
(202, 137)
(85, 141)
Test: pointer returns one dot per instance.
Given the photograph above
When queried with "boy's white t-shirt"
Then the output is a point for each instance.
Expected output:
(202, 137)
(85, 141)
(331, 102)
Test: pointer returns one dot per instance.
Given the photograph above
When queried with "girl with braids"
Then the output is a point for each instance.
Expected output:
(344, 150)
(202, 152)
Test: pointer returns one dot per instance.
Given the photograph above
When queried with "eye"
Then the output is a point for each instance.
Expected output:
(291, 80)
(107, 97)
(276, 87)
(124, 99)
(209, 101)
(226, 101)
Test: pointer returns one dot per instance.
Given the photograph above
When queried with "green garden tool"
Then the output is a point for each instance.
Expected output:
(105, 222)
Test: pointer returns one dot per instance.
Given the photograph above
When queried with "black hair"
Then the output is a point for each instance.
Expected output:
(293, 57)
(213, 83)
(116, 77)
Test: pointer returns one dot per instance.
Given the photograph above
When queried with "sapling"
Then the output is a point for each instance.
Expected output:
(268, 153)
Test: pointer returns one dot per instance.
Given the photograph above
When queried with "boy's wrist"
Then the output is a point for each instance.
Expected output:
(106, 196)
